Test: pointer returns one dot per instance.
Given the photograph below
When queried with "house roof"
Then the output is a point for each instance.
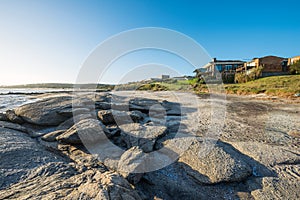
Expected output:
(227, 61)
(223, 62)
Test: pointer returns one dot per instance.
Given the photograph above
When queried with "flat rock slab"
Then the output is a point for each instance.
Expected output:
(46, 111)
(141, 136)
(13, 126)
(18, 155)
(120, 117)
(51, 137)
(87, 131)
(268, 155)
(61, 181)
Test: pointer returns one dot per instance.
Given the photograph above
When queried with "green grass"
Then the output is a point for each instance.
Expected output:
(178, 85)
(284, 86)
(153, 87)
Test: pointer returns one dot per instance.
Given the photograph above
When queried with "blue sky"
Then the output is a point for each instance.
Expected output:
(49, 40)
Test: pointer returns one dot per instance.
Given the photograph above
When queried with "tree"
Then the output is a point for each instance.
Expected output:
(295, 67)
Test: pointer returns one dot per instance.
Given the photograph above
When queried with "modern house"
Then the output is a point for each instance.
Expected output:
(271, 66)
(293, 60)
(218, 67)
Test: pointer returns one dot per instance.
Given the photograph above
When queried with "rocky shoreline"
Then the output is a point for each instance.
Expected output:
(150, 146)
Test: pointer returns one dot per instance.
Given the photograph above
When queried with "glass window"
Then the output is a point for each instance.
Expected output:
(219, 68)
(228, 67)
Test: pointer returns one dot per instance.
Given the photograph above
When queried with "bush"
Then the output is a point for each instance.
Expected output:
(228, 78)
(153, 87)
(295, 68)
(244, 77)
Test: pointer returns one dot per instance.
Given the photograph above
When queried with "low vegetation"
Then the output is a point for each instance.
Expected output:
(251, 76)
(295, 68)
(284, 86)
(153, 87)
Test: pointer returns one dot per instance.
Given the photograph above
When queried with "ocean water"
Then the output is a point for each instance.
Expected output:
(12, 98)
(13, 101)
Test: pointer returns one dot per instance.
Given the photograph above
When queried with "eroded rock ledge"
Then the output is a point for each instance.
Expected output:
(102, 147)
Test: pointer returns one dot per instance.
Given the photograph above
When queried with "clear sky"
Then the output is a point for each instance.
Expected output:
(48, 40)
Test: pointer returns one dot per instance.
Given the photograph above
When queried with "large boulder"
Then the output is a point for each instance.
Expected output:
(86, 131)
(46, 111)
(220, 164)
(142, 104)
(114, 116)
(69, 112)
(120, 117)
(70, 122)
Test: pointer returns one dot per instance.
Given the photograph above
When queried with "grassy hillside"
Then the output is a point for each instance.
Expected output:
(284, 86)
(171, 84)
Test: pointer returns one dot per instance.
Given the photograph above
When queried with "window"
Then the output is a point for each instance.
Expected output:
(228, 67)
(219, 68)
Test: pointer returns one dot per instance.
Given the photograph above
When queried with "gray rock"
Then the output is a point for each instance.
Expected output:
(172, 108)
(69, 112)
(102, 105)
(61, 181)
(119, 106)
(106, 116)
(19, 154)
(51, 137)
(220, 164)
(144, 137)
(87, 131)
(277, 188)
(117, 187)
(131, 162)
(70, 122)
(172, 183)
(45, 112)
(13, 126)
(143, 102)
(114, 117)
(268, 155)
(3, 117)
(137, 116)
(11, 115)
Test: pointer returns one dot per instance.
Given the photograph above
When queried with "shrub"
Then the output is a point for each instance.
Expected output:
(295, 68)
(153, 87)
(228, 78)
(252, 75)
